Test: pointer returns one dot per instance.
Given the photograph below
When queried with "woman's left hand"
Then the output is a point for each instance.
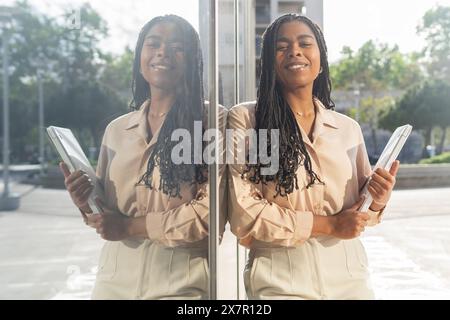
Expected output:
(381, 185)
(110, 226)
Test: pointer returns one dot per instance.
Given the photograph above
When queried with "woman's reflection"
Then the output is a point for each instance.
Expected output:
(155, 216)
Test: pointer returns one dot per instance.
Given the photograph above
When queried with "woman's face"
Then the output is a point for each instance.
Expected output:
(162, 56)
(297, 58)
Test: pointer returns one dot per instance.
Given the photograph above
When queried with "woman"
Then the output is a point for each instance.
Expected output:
(301, 223)
(155, 211)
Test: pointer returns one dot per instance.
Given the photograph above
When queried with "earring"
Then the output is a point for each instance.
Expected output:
(321, 69)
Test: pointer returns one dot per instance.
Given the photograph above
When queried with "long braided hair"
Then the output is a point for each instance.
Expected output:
(188, 107)
(273, 111)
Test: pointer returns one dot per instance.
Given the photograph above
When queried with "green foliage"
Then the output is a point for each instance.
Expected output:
(117, 74)
(376, 67)
(84, 88)
(442, 158)
(423, 77)
(424, 106)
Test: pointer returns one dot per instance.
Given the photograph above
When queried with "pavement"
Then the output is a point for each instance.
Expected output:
(409, 252)
(46, 251)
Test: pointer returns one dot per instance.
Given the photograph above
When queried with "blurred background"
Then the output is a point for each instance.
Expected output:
(68, 63)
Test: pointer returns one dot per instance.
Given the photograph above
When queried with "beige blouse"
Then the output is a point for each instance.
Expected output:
(122, 162)
(338, 157)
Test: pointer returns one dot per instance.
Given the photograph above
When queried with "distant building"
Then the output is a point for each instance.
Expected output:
(268, 10)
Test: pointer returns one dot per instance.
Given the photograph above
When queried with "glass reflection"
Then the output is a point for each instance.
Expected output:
(155, 204)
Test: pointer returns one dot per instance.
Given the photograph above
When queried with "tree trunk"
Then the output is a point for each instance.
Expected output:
(427, 142)
(440, 146)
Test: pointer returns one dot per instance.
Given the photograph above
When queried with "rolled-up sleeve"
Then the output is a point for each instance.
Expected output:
(251, 216)
(184, 224)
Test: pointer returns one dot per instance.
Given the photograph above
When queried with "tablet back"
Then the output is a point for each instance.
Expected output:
(72, 154)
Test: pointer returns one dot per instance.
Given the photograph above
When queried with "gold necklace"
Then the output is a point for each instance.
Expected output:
(158, 115)
(301, 114)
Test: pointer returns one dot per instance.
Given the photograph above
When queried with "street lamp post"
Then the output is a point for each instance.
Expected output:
(41, 121)
(8, 201)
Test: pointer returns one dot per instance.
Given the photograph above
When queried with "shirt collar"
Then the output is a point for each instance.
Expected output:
(138, 122)
(325, 115)
(138, 117)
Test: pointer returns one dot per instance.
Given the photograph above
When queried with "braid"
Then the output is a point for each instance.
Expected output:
(273, 112)
(188, 107)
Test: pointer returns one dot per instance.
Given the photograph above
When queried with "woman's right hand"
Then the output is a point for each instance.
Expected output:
(349, 223)
(79, 186)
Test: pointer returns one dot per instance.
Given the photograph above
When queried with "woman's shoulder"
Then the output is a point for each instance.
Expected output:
(343, 120)
(349, 125)
(222, 110)
(244, 108)
(124, 121)
(222, 115)
(340, 120)
(242, 115)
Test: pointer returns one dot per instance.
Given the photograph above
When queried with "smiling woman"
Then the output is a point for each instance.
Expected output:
(161, 72)
(302, 223)
(155, 217)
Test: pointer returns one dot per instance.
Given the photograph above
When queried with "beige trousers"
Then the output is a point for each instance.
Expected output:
(142, 269)
(321, 268)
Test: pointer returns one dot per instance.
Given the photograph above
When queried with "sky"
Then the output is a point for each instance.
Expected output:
(346, 22)
(353, 22)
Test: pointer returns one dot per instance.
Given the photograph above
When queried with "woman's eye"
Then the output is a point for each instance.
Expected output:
(282, 48)
(177, 47)
(305, 44)
(152, 44)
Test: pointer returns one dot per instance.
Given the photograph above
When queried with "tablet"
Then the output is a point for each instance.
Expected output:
(388, 156)
(71, 153)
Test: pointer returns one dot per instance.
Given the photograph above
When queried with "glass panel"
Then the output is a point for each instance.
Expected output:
(237, 84)
(227, 272)
(77, 63)
(209, 17)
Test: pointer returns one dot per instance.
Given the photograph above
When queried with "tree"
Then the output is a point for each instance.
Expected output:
(376, 67)
(72, 66)
(435, 26)
(424, 106)
(374, 70)
(369, 111)
(117, 74)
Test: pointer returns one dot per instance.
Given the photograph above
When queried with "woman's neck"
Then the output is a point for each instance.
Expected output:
(300, 101)
(161, 101)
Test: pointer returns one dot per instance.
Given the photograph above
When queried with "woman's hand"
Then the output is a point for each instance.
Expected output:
(79, 186)
(112, 227)
(381, 185)
(109, 225)
(349, 223)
